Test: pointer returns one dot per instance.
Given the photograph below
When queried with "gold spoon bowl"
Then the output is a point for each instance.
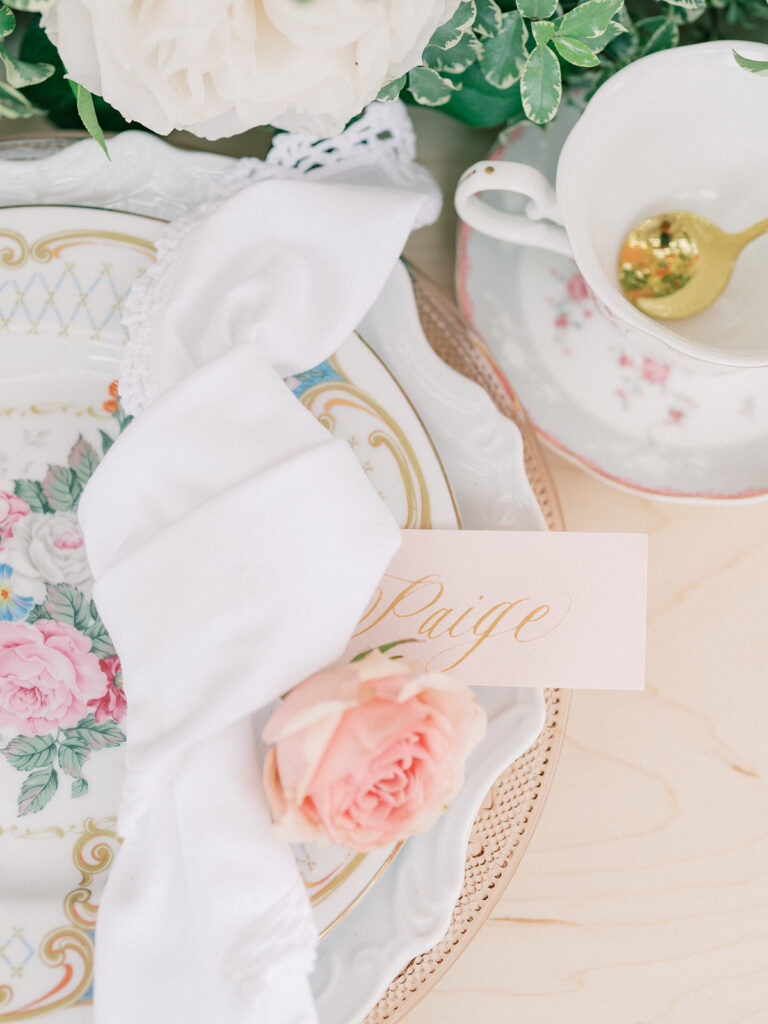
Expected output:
(674, 265)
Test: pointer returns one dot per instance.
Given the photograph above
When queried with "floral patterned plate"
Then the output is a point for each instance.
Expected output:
(64, 273)
(590, 390)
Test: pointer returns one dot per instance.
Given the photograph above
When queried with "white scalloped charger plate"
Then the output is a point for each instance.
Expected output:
(409, 907)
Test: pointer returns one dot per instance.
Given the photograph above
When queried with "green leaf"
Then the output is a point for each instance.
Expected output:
(83, 459)
(449, 34)
(66, 603)
(664, 34)
(20, 73)
(87, 114)
(542, 31)
(457, 58)
(38, 612)
(14, 105)
(387, 93)
(27, 752)
(541, 85)
(106, 441)
(72, 756)
(79, 788)
(95, 735)
(61, 488)
(32, 492)
(481, 104)
(36, 6)
(504, 55)
(575, 52)
(488, 19)
(757, 67)
(689, 5)
(55, 95)
(7, 21)
(590, 19)
(429, 88)
(385, 647)
(599, 43)
(101, 643)
(37, 790)
(537, 8)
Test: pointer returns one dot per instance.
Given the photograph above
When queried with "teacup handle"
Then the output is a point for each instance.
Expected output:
(534, 227)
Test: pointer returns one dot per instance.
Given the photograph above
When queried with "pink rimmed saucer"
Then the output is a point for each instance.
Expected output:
(639, 423)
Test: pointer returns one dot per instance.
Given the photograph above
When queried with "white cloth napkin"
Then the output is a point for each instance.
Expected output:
(234, 545)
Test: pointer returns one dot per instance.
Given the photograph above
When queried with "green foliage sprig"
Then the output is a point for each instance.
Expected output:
(500, 61)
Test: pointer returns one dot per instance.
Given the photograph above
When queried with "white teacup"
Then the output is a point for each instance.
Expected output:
(683, 129)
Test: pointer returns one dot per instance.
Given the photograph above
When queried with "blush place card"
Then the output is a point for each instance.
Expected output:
(510, 608)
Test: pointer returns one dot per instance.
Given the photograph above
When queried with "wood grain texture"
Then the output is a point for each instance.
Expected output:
(643, 897)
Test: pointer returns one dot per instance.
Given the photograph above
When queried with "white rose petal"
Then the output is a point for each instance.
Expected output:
(47, 548)
(218, 68)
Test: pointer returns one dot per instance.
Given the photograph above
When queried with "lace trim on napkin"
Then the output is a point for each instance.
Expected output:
(380, 145)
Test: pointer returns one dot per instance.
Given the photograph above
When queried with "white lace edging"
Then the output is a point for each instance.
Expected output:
(381, 142)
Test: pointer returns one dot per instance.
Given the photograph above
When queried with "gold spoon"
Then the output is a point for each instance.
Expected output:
(674, 265)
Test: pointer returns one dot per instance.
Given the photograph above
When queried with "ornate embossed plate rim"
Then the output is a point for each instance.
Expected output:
(490, 863)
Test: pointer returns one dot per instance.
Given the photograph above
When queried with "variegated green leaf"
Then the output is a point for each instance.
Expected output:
(72, 756)
(20, 73)
(504, 55)
(388, 93)
(689, 5)
(94, 735)
(36, 6)
(599, 43)
(488, 20)
(575, 52)
(14, 105)
(542, 31)
(589, 20)
(449, 34)
(541, 85)
(664, 34)
(7, 21)
(456, 59)
(537, 8)
(757, 67)
(429, 88)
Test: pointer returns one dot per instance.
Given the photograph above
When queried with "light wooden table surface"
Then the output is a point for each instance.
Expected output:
(643, 897)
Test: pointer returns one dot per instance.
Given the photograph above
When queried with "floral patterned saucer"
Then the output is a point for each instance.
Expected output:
(63, 276)
(633, 419)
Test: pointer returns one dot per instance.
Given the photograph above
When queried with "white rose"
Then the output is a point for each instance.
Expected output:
(218, 68)
(47, 548)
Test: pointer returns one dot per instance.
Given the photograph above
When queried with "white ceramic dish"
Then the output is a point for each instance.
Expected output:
(496, 494)
(588, 386)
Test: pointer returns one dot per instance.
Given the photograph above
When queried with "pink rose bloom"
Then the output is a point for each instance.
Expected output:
(369, 753)
(654, 372)
(577, 287)
(12, 509)
(112, 704)
(47, 676)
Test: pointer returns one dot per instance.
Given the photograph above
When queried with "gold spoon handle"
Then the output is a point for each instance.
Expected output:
(744, 237)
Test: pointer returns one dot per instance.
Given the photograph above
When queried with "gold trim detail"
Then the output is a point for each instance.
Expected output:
(389, 434)
(18, 251)
(69, 947)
